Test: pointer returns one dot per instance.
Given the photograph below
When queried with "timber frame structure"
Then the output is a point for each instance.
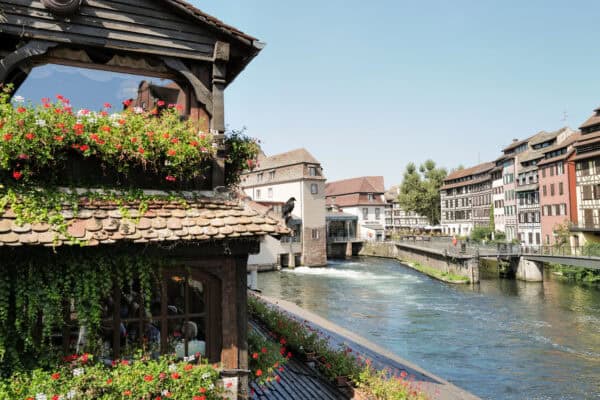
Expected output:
(167, 39)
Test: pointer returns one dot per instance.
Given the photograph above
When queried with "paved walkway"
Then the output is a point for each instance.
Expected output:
(435, 387)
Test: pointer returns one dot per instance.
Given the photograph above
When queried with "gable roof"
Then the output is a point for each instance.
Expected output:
(593, 120)
(363, 184)
(212, 21)
(297, 156)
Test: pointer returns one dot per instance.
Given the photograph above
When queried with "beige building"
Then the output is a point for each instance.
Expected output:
(275, 180)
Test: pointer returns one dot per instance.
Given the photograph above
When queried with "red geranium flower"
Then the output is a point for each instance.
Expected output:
(282, 341)
(148, 378)
(60, 97)
(199, 397)
(174, 140)
(55, 397)
(162, 375)
(108, 381)
(188, 367)
(121, 122)
(134, 140)
(141, 150)
(8, 137)
(106, 128)
(175, 375)
(45, 100)
(166, 135)
(194, 143)
(127, 103)
(107, 105)
(170, 178)
(59, 138)
(202, 390)
(263, 350)
(84, 147)
(255, 356)
(171, 152)
(160, 103)
(127, 393)
(56, 375)
(21, 110)
(258, 372)
(18, 175)
(29, 136)
(124, 362)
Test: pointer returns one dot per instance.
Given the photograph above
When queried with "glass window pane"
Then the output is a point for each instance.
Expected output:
(196, 293)
(176, 295)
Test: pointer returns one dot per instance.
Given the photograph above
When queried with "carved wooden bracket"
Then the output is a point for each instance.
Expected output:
(14, 59)
(202, 93)
(62, 7)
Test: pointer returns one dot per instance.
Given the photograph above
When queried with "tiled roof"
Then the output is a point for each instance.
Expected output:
(588, 138)
(561, 157)
(363, 184)
(465, 183)
(530, 155)
(462, 173)
(593, 120)
(102, 222)
(514, 144)
(292, 157)
(565, 143)
(353, 199)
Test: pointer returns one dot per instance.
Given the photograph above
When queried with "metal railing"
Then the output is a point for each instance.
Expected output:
(341, 239)
(561, 251)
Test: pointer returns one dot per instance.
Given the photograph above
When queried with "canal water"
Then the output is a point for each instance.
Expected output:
(501, 339)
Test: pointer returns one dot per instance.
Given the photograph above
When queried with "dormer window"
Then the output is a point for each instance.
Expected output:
(370, 196)
(312, 171)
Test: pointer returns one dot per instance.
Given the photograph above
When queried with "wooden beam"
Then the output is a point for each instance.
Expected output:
(32, 49)
(202, 93)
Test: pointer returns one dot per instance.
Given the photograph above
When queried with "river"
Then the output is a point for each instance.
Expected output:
(500, 339)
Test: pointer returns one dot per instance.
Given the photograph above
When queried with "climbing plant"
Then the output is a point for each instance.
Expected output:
(57, 288)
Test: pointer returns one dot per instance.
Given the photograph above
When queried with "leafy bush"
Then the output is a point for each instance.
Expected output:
(264, 358)
(480, 233)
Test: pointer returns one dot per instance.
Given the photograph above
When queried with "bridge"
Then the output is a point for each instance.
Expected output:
(525, 261)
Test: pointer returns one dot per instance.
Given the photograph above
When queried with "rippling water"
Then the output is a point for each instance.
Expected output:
(501, 339)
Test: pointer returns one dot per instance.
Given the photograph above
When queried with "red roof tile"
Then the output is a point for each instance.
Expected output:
(363, 184)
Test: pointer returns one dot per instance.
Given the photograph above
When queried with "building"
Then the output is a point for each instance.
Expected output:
(529, 211)
(587, 171)
(276, 179)
(498, 194)
(364, 198)
(398, 220)
(558, 200)
(196, 246)
(510, 167)
(464, 192)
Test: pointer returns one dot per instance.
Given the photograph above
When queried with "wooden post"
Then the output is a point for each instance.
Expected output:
(217, 123)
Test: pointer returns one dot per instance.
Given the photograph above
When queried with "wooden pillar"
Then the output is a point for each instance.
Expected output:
(217, 123)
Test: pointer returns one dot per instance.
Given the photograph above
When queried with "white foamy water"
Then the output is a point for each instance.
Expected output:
(335, 273)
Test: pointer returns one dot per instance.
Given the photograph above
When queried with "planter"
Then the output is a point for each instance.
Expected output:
(343, 381)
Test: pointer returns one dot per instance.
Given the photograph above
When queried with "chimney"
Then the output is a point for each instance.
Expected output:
(515, 140)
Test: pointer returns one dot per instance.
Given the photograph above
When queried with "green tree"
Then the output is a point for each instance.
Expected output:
(420, 190)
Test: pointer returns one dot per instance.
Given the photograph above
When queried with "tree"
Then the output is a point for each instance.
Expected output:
(420, 190)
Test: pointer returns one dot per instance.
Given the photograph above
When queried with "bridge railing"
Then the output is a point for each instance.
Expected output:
(564, 251)
(341, 239)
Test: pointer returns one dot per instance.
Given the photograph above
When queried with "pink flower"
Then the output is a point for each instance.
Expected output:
(160, 103)
(18, 175)
(127, 103)
(170, 178)
(107, 105)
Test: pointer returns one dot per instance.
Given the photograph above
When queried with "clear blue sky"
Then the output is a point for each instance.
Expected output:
(367, 87)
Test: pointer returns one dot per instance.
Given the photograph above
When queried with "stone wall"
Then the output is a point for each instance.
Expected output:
(463, 266)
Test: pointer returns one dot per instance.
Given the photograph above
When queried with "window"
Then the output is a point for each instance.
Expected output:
(551, 171)
(365, 213)
(314, 188)
(543, 172)
(552, 189)
(537, 238)
(259, 177)
(271, 175)
(176, 321)
(561, 189)
(258, 193)
(587, 192)
(270, 193)
(560, 168)
(563, 209)
(312, 171)
(377, 213)
(370, 197)
(315, 234)
(544, 192)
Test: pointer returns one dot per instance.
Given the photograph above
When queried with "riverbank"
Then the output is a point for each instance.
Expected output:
(435, 387)
(384, 250)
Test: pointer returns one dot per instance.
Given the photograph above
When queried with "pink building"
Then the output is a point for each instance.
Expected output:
(558, 201)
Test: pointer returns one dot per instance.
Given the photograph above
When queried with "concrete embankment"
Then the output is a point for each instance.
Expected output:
(435, 387)
(433, 262)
